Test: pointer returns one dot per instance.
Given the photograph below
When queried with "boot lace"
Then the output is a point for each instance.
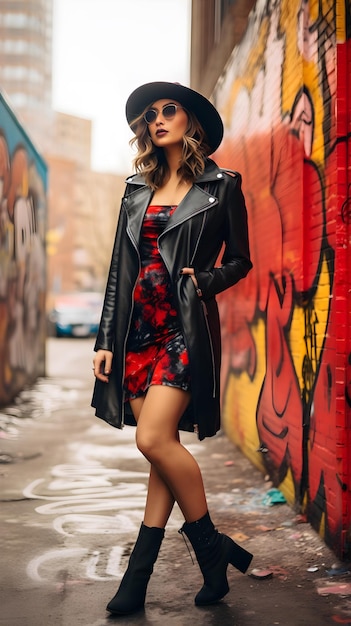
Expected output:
(182, 533)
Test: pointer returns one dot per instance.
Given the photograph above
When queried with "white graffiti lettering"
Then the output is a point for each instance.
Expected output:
(71, 496)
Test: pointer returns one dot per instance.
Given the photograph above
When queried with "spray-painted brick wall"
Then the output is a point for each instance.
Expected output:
(285, 99)
(23, 176)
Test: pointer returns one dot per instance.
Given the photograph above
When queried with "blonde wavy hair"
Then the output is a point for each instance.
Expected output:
(151, 162)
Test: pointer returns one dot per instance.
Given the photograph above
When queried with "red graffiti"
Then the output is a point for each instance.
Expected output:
(279, 411)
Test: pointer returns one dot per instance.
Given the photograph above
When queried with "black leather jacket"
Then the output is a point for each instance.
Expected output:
(212, 213)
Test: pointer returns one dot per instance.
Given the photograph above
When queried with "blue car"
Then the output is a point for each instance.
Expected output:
(77, 315)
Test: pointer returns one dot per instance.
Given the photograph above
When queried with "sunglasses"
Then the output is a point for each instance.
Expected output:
(168, 112)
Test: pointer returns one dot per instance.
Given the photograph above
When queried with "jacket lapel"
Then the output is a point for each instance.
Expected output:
(196, 200)
(135, 205)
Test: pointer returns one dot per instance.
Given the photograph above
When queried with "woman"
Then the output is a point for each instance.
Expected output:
(158, 347)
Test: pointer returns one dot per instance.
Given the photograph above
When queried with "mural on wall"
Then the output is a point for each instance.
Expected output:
(278, 101)
(22, 258)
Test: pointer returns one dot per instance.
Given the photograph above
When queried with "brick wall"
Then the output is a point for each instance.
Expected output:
(285, 100)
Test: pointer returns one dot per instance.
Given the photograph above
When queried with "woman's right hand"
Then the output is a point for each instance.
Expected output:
(103, 365)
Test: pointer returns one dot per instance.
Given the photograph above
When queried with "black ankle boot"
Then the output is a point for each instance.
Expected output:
(130, 596)
(214, 551)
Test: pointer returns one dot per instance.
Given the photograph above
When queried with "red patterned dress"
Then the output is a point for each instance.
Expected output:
(156, 352)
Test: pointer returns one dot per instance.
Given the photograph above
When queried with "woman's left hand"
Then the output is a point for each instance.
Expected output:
(191, 273)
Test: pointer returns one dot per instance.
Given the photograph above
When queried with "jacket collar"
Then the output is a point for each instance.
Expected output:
(212, 172)
(196, 200)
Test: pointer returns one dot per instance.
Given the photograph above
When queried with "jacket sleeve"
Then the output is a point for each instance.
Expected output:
(236, 262)
(106, 332)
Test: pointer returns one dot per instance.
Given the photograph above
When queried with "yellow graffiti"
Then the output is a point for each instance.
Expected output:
(254, 65)
(292, 51)
(298, 22)
(292, 75)
(287, 488)
(340, 21)
(240, 402)
(320, 305)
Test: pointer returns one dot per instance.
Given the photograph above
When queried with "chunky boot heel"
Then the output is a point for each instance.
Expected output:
(130, 596)
(214, 551)
(239, 557)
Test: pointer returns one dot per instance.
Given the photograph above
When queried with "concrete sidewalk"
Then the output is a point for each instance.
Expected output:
(73, 491)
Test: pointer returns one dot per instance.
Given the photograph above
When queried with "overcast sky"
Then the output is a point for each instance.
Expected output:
(103, 49)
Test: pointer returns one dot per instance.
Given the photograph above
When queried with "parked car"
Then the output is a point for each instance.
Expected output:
(77, 314)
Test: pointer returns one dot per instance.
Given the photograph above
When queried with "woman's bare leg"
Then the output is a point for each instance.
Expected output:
(174, 475)
(160, 500)
(173, 465)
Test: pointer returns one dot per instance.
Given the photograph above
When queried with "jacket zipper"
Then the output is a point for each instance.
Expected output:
(204, 308)
(129, 323)
(198, 239)
(207, 206)
(167, 230)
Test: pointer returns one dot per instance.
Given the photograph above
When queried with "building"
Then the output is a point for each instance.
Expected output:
(71, 138)
(26, 62)
(82, 219)
(217, 27)
(279, 74)
(78, 241)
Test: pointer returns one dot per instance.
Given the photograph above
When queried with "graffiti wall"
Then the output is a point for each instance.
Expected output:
(285, 99)
(22, 257)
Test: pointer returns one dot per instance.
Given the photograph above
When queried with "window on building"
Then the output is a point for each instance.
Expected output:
(20, 46)
(24, 100)
(20, 20)
(20, 72)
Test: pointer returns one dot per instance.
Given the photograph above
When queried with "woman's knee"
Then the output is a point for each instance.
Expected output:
(147, 443)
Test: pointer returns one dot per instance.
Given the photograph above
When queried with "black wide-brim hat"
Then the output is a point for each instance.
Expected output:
(191, 100)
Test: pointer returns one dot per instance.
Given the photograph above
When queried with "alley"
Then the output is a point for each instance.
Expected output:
(72, 495)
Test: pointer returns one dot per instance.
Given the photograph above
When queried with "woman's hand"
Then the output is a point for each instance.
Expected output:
(191, 273)
(103, 365)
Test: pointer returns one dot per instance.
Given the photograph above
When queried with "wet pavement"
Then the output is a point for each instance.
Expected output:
(72, 496)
